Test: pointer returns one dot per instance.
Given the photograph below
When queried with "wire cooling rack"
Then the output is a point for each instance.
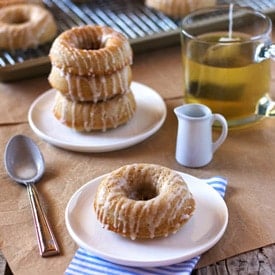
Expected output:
(146, 29)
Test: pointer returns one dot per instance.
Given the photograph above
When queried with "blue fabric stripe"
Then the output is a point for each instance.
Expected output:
(85, 263)
(116, 269)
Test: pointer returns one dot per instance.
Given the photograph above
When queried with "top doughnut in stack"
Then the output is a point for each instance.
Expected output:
(91, 70)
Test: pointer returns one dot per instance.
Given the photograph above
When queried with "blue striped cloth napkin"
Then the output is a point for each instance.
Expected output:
(85, 263)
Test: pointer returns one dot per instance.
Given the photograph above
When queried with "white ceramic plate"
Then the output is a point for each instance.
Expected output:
(199, 234)
(149, 117)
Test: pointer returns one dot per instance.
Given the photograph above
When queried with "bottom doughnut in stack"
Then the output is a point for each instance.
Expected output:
(89, 116)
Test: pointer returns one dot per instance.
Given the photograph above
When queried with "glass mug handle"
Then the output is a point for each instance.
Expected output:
(266, 105)
(267, 52)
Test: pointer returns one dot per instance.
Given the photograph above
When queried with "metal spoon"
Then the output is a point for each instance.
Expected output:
(25, 165)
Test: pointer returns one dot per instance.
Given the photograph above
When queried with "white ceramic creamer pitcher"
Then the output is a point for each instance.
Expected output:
(195, 146)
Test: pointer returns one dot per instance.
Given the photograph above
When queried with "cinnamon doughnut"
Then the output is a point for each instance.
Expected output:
(91, 88)
(24, 26)
(87, 116)
(178, 8)
(142, 201)
(91, 50)
(4, 3)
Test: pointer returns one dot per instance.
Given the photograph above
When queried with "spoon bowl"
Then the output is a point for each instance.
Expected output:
(25, 164)
(23, 160)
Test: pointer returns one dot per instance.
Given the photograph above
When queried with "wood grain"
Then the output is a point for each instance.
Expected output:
(260, 261)
(2, 264)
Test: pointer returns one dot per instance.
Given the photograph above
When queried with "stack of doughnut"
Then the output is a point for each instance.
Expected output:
(178, 8)
(25, 24)
(91, 71)
(143, 201)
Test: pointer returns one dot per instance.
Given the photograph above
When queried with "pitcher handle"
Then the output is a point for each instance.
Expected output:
(223, 135)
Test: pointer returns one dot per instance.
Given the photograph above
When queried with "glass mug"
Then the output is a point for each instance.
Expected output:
(227, 53)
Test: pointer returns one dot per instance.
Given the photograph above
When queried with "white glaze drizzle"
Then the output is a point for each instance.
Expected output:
(98, 57)
(130, 215)
(71, 112)
(97, 88)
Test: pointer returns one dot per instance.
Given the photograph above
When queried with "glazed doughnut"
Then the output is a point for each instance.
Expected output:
(25, 26)
(178, 8)
(91, 88)
(91, 50)
(87, 116)
(142, 201)
(4, 3)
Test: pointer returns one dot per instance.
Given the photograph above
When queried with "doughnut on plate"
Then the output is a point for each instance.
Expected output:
(199, 234)
(148, 118)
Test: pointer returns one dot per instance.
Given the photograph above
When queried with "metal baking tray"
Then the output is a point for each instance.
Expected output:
(146, 29)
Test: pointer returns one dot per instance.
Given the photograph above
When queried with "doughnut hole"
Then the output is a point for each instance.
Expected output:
(21, 19)
(87, 41)
(142, 192)
(89, 44)
(16, 18)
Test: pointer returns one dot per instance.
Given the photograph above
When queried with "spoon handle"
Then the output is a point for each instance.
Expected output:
(46, 240)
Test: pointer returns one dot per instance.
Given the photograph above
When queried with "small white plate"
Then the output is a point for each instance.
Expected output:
(199, 234)
(148, 118)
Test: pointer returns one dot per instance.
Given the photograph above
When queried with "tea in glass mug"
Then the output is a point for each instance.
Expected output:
(226, 60)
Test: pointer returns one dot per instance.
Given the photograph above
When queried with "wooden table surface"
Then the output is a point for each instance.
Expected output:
(161, 70)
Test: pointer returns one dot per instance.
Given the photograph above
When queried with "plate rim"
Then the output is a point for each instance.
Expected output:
(133, 140)
(138, 263)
